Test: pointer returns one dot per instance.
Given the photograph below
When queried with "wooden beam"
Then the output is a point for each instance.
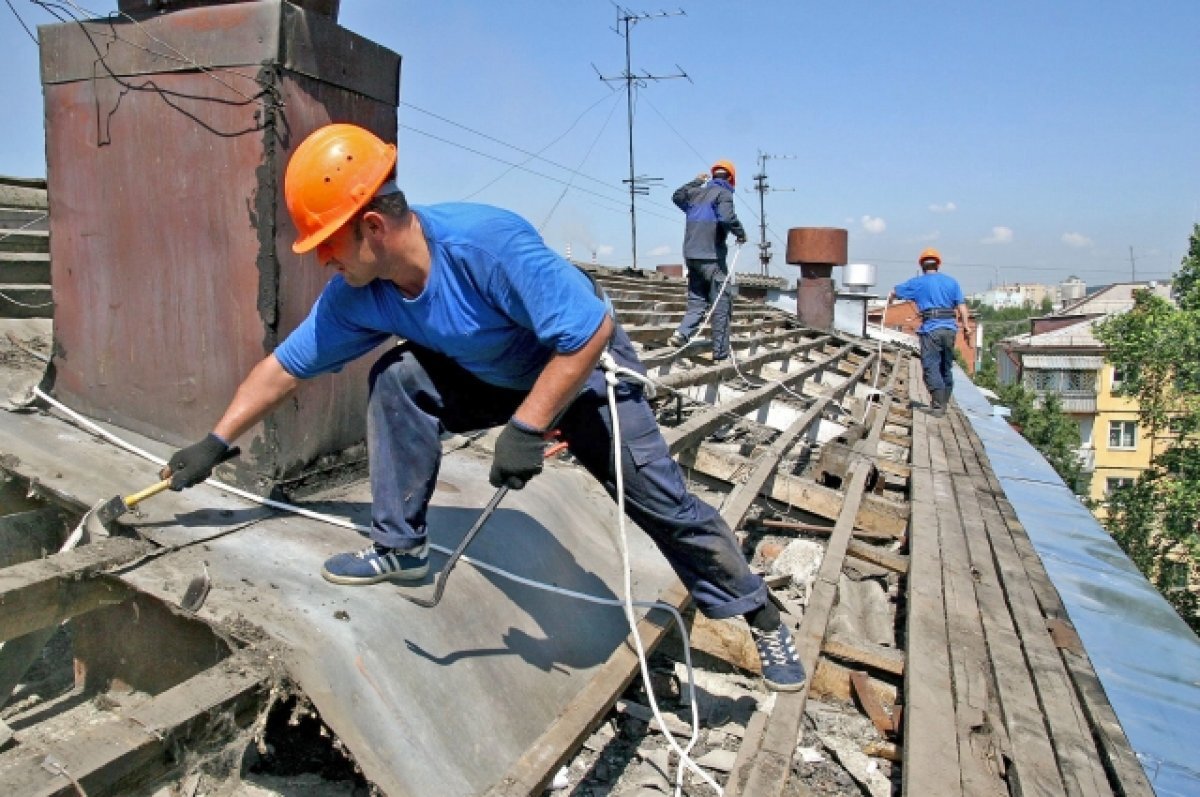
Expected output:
(140, 745)
(868, 654)
(870, 702)
(897, 563)
(45, 592)
(877, 514)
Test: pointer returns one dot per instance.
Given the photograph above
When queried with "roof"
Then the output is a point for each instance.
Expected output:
(1076, 336)
(1116, 298)
(806, 438)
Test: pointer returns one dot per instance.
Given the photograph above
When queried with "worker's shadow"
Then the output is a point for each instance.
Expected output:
(570, 632)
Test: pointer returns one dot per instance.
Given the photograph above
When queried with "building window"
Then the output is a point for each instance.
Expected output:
(1119, 375)
(1122, 434)
(1111, 484)
(1065, 382)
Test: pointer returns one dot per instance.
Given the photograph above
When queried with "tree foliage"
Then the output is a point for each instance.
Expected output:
(1156, 520)
(1047, 428)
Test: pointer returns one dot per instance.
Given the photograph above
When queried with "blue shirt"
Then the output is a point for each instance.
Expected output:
(930, 291)
(498, 301)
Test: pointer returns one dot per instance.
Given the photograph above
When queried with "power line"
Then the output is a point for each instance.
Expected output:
(515, 165)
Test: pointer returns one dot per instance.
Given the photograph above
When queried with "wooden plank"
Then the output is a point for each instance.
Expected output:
(817, 530)
(1078, 758)
(871, 703)
(1126, 773)
(138, 746)
(976, 716)
(738, 502)
(931, 751)
(1034, 765)
(869, 654)
(743, 762)
(702, 424)
(45, 592)
(897, 563)
(774, 759)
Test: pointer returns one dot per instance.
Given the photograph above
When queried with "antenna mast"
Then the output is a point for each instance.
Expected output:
(760, 185)
(637, 185)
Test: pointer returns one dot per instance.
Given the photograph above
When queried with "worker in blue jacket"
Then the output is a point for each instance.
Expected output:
(497, 330)
(711, 217)
(939, 298)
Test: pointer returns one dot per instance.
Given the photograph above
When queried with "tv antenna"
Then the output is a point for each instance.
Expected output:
(760, 185)
(638, 185)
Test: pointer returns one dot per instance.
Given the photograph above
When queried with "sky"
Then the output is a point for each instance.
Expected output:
(1027, 140)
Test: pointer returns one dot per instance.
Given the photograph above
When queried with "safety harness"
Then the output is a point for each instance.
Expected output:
(938, 312)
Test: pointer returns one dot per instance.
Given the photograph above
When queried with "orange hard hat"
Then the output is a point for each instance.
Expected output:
(930, 254)
(727, 166)
(332, 175)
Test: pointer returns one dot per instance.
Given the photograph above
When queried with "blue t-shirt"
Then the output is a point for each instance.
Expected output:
(929, 291)
(498, 301)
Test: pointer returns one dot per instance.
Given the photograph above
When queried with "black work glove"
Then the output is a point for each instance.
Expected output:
(194, 464)
(518, 456)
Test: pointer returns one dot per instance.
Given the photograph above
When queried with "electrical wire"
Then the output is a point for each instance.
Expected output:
(23, 25)
(583, 160)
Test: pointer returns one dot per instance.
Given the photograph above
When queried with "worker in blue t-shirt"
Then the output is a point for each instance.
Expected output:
(497, 330)
(940, 300)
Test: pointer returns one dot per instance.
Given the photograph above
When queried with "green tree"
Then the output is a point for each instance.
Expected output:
(1045, 425)
(1156, 520)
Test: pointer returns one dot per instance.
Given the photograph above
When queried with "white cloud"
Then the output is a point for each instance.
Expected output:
(873, 224)
(659, 251)
(948, 207)
(1000, 235)
(1077, 240)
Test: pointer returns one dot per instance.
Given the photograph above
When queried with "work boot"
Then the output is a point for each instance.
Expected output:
(781, 667)
(941, 397)
(377, 563)
(676, 341)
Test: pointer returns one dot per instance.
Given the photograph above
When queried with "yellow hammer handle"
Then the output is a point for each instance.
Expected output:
(154, 489)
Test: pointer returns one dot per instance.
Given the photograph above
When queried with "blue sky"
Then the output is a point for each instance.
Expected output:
(1026, 139)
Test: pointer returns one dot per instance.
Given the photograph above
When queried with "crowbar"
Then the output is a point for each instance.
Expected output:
(440, 587)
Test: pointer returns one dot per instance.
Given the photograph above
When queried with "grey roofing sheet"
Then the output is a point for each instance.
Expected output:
(1145, 656)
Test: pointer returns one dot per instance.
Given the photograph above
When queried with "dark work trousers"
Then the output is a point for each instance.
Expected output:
(937, 359)
(416, 394)
(705, 278)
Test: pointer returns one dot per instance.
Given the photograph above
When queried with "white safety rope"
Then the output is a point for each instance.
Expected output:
(612, 378)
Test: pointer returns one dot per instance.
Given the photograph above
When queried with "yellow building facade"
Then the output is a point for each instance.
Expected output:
(1121, 444)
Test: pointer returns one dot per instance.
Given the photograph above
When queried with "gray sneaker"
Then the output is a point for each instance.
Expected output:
(676, 340)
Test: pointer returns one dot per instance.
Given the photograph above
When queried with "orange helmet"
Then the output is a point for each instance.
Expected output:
(930, 254)
(330, 177)
(727, 166)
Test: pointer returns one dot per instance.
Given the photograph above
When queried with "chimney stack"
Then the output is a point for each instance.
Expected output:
(816, 250)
